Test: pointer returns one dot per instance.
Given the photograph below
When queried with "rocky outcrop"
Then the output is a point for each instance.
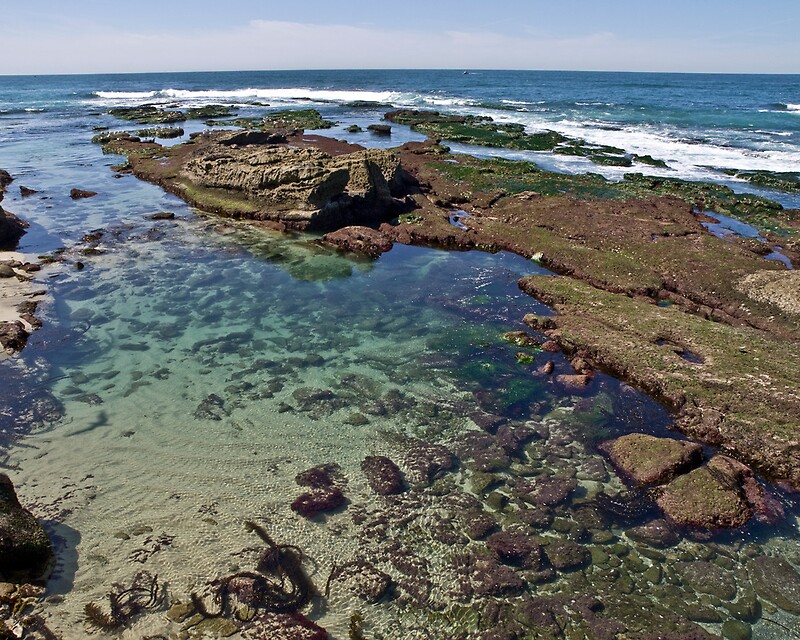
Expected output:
(11, 227)
(304, 187)
(25, 550)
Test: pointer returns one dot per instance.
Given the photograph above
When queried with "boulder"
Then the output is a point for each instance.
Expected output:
(705, 498)
(363, 240)
(12, 336)
(648, 460)
(26, 553)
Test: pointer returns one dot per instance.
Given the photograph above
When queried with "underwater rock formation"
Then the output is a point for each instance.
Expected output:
(26, 553)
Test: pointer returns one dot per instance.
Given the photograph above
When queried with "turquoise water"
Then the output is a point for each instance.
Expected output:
(193, 368)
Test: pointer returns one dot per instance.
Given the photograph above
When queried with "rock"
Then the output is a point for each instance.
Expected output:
(573, 383)
(361, 240)
(478, 524)
(353, 128)
(656, 533)
(548, 491)
(26, 191)
(26, 553)
(704, 498)
(706, 577)
(77, 194)
(383, 475)
(5, 180)
(380, 129)
(12, 229)
(211, 408)
(6, 271)
(735, 630)
(516, 548)
(302, 187)
(161, 215)
(365, 581)
(12, 336)
(776, 580)
(254, 137)
(424, 462)
(650, 460)
(320, 476)
(489, 578)
(318, 501)
(566, 556)
(147, 114)
(283, 626)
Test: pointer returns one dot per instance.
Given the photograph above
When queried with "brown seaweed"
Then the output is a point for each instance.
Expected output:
(125, 603)
(278, 585)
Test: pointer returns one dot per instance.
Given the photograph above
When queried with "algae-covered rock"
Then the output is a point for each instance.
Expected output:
(147, 114)
(705, 499)
(650, 460)
(656, 533)
(776, 580)
(26, 553)
(706, 577)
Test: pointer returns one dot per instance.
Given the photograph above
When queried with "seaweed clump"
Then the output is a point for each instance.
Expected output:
(126, 602)
(278, 585)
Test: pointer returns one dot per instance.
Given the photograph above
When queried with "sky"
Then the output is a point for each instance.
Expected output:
(98, 36)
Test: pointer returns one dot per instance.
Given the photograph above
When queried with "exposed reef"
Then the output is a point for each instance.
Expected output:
(292, 181)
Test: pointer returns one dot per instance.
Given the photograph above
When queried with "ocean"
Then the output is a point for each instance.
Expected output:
(193, 367)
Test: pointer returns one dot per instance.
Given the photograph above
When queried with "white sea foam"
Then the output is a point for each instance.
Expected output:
(126, 95)
(793, 107)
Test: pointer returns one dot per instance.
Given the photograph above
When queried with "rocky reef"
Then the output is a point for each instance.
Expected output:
(292, 181)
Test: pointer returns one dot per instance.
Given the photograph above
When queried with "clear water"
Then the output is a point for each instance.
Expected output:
(104, 439)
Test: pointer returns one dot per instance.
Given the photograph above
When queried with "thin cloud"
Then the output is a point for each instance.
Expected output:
(266, 44)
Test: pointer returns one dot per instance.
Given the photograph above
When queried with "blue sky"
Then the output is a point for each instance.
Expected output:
(90, 36)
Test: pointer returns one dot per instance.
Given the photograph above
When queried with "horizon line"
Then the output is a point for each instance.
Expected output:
(350, 69)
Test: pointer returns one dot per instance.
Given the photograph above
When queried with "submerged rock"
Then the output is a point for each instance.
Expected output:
(318, 501)
(383, 475)
(12, 337)
(26, 553)
(776, 580)
(650, 460)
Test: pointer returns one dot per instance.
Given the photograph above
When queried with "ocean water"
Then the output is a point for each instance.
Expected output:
(193, 367)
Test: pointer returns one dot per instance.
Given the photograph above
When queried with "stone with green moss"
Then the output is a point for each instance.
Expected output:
(210, 111)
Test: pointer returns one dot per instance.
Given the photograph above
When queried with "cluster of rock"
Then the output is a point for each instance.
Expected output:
(723, 493)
